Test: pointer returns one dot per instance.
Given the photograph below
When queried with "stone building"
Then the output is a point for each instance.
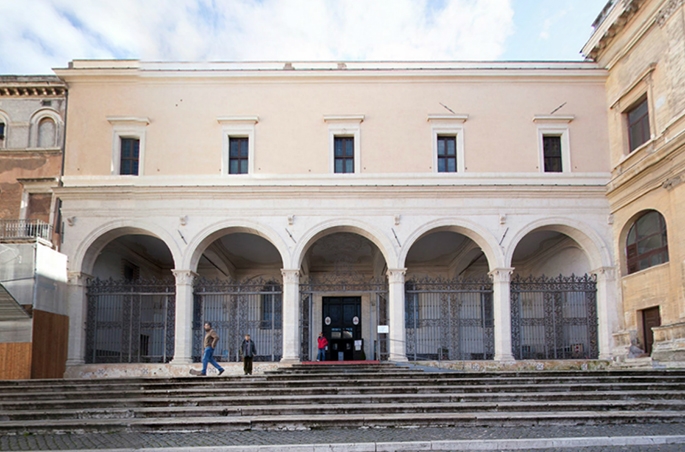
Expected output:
(423, 211)
(33, 324)
(641, 43)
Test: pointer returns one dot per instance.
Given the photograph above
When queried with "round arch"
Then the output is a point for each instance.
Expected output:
(590, 242)
(479, 235)
(345, 225)
(89, 249)
(200, 242)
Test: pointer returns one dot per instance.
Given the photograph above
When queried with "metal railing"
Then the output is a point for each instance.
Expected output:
(25, 229)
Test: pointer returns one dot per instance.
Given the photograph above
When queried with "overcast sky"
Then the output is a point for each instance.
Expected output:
(37, 35)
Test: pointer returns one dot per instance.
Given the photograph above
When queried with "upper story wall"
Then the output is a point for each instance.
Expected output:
(185, 110)
(642, 44)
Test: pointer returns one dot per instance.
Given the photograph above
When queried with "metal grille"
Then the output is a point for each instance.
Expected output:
(130, 321)
(449, 319)
(343, 281)
(235, 308)
(554, 318)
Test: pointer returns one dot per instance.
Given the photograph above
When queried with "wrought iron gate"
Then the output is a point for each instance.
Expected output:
(554, 318)
(348, 283)
(449, 319)
(130, 321)
(234, 308)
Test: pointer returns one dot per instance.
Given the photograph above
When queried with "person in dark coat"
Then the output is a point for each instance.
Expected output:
(247, 351)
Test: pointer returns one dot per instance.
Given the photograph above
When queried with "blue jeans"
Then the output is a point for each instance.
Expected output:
(207, 358)
(321, 356)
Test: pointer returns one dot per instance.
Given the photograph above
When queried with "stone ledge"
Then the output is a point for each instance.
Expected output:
(147, 370)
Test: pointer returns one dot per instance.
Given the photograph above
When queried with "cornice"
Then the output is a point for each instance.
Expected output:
(611, 25)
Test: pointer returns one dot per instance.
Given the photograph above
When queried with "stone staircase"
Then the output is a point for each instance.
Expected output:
(348, 396)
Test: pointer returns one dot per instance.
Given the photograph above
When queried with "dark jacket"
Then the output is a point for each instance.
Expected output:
(248, 349)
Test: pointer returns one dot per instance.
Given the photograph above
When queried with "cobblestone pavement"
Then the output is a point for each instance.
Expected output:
(121, 440)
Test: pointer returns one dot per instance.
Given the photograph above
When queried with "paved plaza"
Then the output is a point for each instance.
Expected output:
(631, 438)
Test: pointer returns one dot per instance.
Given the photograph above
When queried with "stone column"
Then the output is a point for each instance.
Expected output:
(183, 344)
(397, 336)
(607, 310)
(291, 316)
(501, 297)
(77, 306)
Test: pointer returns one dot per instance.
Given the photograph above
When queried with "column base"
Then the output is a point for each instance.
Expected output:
(398, 359)
(505, 359)
(181, 360)
(290, 360)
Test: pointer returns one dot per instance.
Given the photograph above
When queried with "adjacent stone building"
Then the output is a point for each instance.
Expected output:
(33, 324)
(641, 43)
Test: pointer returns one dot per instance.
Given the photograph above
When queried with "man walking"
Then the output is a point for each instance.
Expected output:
(247, 351)
(211, 339)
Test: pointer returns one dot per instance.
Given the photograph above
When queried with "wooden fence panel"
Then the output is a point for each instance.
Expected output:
(50, 341)
(15, 360)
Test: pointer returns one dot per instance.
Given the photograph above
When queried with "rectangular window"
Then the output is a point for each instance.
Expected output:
(130, 154)
(447, 154)
(343, 149)
(238, 152)
(638, 125)
(2, 130)
(551, 148)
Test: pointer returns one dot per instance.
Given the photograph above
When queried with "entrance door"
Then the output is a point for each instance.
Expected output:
(342, 326)
(650, 318)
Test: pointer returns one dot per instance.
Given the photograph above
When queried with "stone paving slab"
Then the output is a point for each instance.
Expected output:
(613, 438)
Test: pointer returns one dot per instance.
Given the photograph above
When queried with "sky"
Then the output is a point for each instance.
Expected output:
(38, 35)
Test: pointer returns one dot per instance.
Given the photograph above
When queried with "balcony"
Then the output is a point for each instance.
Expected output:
(25, 230)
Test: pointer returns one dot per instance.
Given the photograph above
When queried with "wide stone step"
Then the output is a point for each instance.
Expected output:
(280, 422)
(7, 407)
(334, 409)
(262, 390)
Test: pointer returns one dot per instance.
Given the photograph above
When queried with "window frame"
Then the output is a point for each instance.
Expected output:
(446, 157)
(237, 127)
(4, 118)
(343, 158)
(642, 100)
(128, 128)
(240, 158)
(634, 260)
(122, 158)
(344, 126)
(448, 126)
(548, 126)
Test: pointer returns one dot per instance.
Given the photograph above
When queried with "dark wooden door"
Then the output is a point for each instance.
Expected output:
(650, 319)
(341, 324)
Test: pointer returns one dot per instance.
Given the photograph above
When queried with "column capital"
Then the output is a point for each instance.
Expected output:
(606, 273)
(184, 277)
(291, 275)
(501, 274)
(396, 275)
(77, 278)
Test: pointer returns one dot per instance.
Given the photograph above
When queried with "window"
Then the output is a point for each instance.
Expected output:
(551, 148)
(447, 154)
(554, 147)
(343, 154)
(647, 245)
(2, 130)
(447, 136)
(344, 133)
(238, 144)
(638, 124)
(272, 306)
(130, 154)
(128, 145)
(238, 154)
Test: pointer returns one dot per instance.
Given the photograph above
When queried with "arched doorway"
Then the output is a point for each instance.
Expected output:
(131, 302)
(344, 294)
(448, 299)
(553, 298)
(239, 290)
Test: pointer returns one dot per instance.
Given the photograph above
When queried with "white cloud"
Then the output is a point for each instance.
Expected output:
(36, 35)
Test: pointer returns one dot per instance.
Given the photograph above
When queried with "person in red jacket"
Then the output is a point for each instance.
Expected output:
(323, 343)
